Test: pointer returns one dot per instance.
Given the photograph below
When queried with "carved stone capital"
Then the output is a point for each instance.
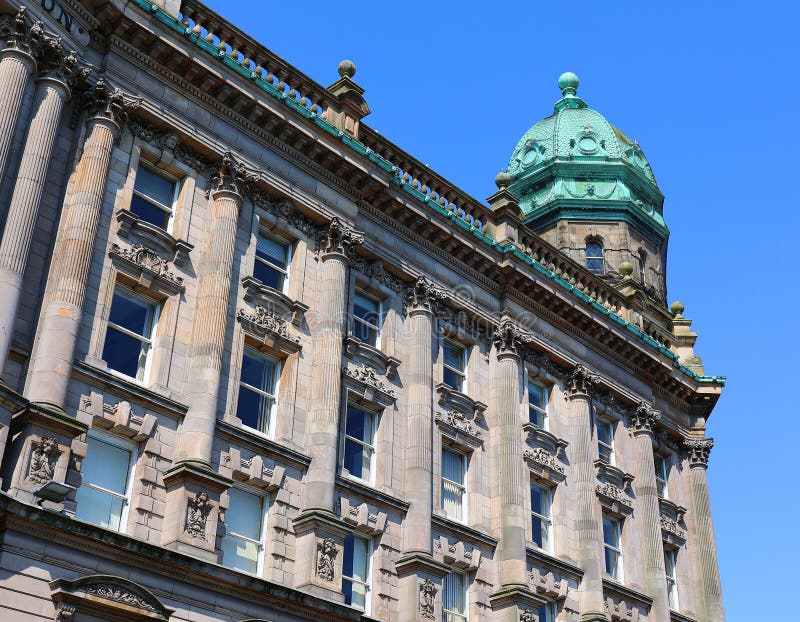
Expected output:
(57, 64)
(16, 32)
(581, 382)
(106, 102)
(424, 295)
(698, 451)
(230, 176)
(338, 238)
(509, 338)
(642, 418)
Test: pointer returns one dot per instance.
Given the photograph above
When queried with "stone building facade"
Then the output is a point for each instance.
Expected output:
(259, 363)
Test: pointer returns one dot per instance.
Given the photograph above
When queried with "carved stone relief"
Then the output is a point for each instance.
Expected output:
(427, 599)
(44, 455)
(197, 510)
(326, 559)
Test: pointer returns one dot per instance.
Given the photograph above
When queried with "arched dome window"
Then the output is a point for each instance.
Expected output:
(594, 257)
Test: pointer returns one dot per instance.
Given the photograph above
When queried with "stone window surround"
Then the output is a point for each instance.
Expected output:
(605, 413)
(379, 356)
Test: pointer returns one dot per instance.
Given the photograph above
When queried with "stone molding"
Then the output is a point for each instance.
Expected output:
(542, 362)
(544, 465)
(459, 322)
(269, 329)
(358, 351)
(284, 211)
(375, 271)
(145, 266)
(614, 489)
(698, 451)
(363, 517)
(167, 139)
(253, 471)
(108, 596)
(153, 236)
(547, 583)
(643, 418)
(458, 555)
(460, 430)
(423, 295)
(670, 518)
(258, 294)
(369, 384)
(619, 611)
(118, 418)
(459, 401)
(337, 237)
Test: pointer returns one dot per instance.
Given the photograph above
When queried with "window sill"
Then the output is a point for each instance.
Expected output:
(151, 235)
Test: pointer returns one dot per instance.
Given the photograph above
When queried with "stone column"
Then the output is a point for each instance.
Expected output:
(419, 573)
(16, 65)
(51, 361)
(52, 91)
(582, 479)
(211, 315)
(320, 534)
(705, 555)
(642, 419)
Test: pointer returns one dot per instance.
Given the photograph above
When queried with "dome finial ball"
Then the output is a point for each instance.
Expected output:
(677, 308)
(568, 83)
(502, 180)
(347, 69)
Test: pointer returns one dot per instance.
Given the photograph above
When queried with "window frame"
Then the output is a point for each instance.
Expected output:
(550, 612)
(377, 328)
(153, 317)
(125, 445)
(456, 485)
(600, 257)
(542, 412)
(368, 573)
(671, 560)
(176, 186)
(278, 368)
(289, 246)
(609, 447)
(374, 447)
(462, 373)
(641, 260)
(662, 476)
(261, 535)
(616, 549)
(463, 615)
(546, 520)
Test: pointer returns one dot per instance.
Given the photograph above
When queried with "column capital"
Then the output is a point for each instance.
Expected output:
(508, 338)
(698, 451)
(18, 35)
(337, 237)
(107, 103)
(643, 418)
(581, 382)
(60, 66)
(424, 295)
(230, 176)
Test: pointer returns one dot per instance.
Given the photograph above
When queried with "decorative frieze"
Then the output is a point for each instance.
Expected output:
(371, 384)
(145, 265)
(614, 499)
(326, 559)
(670, 518)
(337, 237)
(698, 451)
(253, 471)
(168, 139)
(545, 464)
(197, 510)
(283, 210)
(427, 599)
(643, 418)
(459, 321)
(267, 327)
(44, 456)
(459, 429)
(423, 295)
(543, 363)
(118, 593)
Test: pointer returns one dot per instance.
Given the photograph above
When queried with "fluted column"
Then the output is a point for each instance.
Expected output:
(211, 315)
(16, 65)
(582, 480)
(52, 91)
(420, 303)
(706, 550)
(642, 419)
(509, 451)
(322, 426)
(51, 360)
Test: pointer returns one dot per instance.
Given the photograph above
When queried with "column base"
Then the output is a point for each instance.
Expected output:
(594, 616)
(319, 538)
(194, 500)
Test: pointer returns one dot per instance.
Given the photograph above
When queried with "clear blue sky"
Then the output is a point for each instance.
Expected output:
(710, 91)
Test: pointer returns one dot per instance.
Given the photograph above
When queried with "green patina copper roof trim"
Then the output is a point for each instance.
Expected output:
(386, 165)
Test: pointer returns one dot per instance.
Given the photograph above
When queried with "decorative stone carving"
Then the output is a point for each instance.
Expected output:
(461, 322)
(166, 139)
(580, 381)
(119, 594)
(146, 264)
(55, 63)
(44, 455)
(543, 458)
(358, 351)
(64, 612)
(326, 559)
(106, 597)
(543, 363)
(267, 325)
(423, 295)
(106, 102)
(457, 554)
(671, 526)
(368, 376)
(337, 237)
(548, 583)
(670, 517)
(459, 422)
(642, 418)
(119, 417)
(15, 32)
(364, 518)
(526, 615)
(197, 511)
(619, 611)
(427, 599)
(283, 210)
(231, 175)
(253, 471)
(375, 270)
(698, 451)
(256, 293)
(614, 499)
(508, 338)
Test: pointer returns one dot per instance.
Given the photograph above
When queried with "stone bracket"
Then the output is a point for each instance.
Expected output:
(129, 224)
(457, 555)
(364, 518)
(253, 471)
(118, 418)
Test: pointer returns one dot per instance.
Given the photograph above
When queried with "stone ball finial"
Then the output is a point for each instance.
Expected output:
(347, 69)
(502, 180)
(568, 83)
(677, 308)
(626, 268)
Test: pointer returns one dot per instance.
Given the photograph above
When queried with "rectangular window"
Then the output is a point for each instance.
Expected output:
(661, 475)
(355, 572)
(272, 261)
(153, 197)
(367, 319)
(359, 442)
(256, 403)
(128, 342)
(455, 365)
(547, 612)
(612, 543)
(454, 598)
(106, 474)
(541, 517)
(672, 584)
(244, 522)
(453, 490)
(537, 404)
(605, 440)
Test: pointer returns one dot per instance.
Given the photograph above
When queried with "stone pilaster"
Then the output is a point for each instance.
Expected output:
(642, 419)
(582, 480)
(16, 64)
(53, 89)
(705, 553)
(51, 360)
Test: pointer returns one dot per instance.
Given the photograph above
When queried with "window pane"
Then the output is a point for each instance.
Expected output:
(271, 251)
(258, 372)
(594, 249)
(453, 598)
(537, 395)
(603, 432)
(268, 275)
(123, 353)
(149, 212)
(610, 535)
(99, 508)
(545, 613)
(538, 500)
(453, 380)
(243, 517)
(612, 563)
(359, 424)
(452, 500)
(364, 333)
(253, 409)
(454, 355)
(366, 309)
(130, 313)
(357, 459)
(240, 554)
(154, 186)
(453, 466)
(106, 466)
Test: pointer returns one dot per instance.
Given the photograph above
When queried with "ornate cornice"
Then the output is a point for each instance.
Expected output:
(368, 376)
(267, 326)
(643, 418)
(581, 382)
(282, 209)
(165, 139)
(337, 237)
(140, 260)
(698, 451)
(461, 429)
(424, 295)
(545, 464)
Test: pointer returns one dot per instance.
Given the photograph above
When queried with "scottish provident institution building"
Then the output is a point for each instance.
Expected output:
(259, 363)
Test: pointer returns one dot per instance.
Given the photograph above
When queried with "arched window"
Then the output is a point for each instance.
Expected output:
(594, 257)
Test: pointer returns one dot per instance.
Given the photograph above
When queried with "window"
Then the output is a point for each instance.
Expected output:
(129, 335)
(153, 196)
(605, 441)
(541, 517)
(359, 442)
(672, 584)
(256, 402)
(453, 490)
(454, 598)
(594, 257)
(355, 572)
(642, 260)
(272, 261)
(537, 404)
(244, 523)
(612, 544)
(367, 319)
(455, 364)
(661, 475)
(547, 612)
(103, 496)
